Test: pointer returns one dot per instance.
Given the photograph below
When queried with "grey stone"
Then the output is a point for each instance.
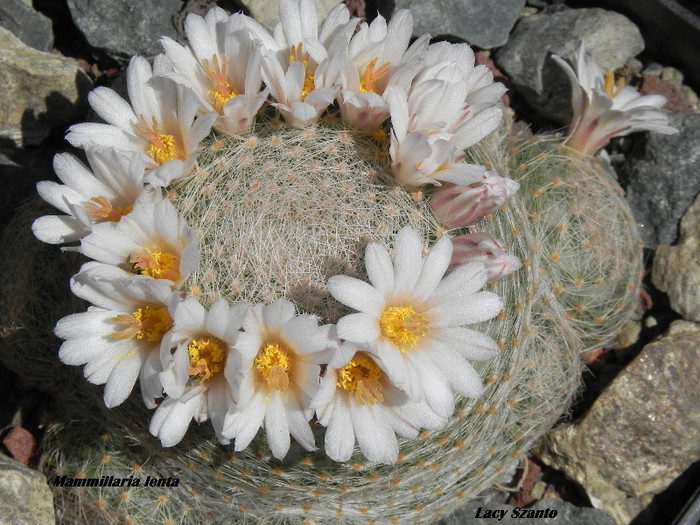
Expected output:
(664, 178)
(266, 11)
(25, 496)
(482, 23)
(32, 28)
(123, 28)
(641, 433)
(677, 268)
(547, 511)
(610, 38)
(40, 91)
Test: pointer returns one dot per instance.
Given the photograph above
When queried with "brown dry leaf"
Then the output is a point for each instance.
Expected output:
(20, 443)
(524, 497)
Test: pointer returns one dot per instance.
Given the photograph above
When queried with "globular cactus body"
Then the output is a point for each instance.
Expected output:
(569, 226)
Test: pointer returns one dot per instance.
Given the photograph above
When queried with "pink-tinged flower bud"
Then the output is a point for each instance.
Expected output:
(459, 206)
(481, 247)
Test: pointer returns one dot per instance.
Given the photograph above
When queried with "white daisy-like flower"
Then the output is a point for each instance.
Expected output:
(290, 69)
(119, 337)
(364, 72)
(153, 240)
(604, 109)
(106, 193)
(457, 206)
(277, 377)
(222, 67)
(454, 99)
(159, 123)
(358, 403)
(413, 319)
(481, 247)
(421, 157)
(193, 375)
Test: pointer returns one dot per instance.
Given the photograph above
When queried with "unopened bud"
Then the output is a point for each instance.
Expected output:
(459, 206)
(481, 247)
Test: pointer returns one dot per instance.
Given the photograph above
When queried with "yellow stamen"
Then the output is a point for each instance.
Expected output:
(361, 377)
(102, 210)
(147, 322)
(207, 358)
(296, 54)
(380, 135)
(162, 147)
(221, 91)
(611, 87)
(273, 363)
(156, 263)
(368, 82)
(402, 326)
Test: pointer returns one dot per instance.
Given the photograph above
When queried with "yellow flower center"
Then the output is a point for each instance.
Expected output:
(156, 263)
(296, 54)
(368, 81)
(611, 87)
(361, 377)
(273, 363)
(403, 326)
(221, 91)
(162, 147)
(148, 323)
(207, 358)
(102, 210)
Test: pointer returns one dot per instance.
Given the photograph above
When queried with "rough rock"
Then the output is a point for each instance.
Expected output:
(40, 91)
(31, 27)
(483, 23)
(610, 38)
(25, 496)
(677, 268)
(641, 433)
(266, 11)
(664, 177)
(552, 512)
(122, 28)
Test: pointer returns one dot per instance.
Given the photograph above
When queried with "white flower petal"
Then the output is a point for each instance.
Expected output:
(435, 387)
(380, 269)
(356, 294)
(276, 426)
(374, 435)
(468, 309)
(408, 259)
(359, 328)
(340, 435)
(434, 266)
(122, 379)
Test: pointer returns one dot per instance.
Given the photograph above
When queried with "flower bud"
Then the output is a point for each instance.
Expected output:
(481, 247)
(459, 206)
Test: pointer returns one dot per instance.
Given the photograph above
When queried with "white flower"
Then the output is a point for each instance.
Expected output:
(152, 240)
(421, 157)
(106, 193)
(279, 374)
(358, 402)
(193, 375)
(481, 247)
(604, 109)
(159, 123)
(119, 337)
(457, 206)
(222, 68)
(413, 319)
(374, 54)
(290, 70)
(449, 97)
(453, 98)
